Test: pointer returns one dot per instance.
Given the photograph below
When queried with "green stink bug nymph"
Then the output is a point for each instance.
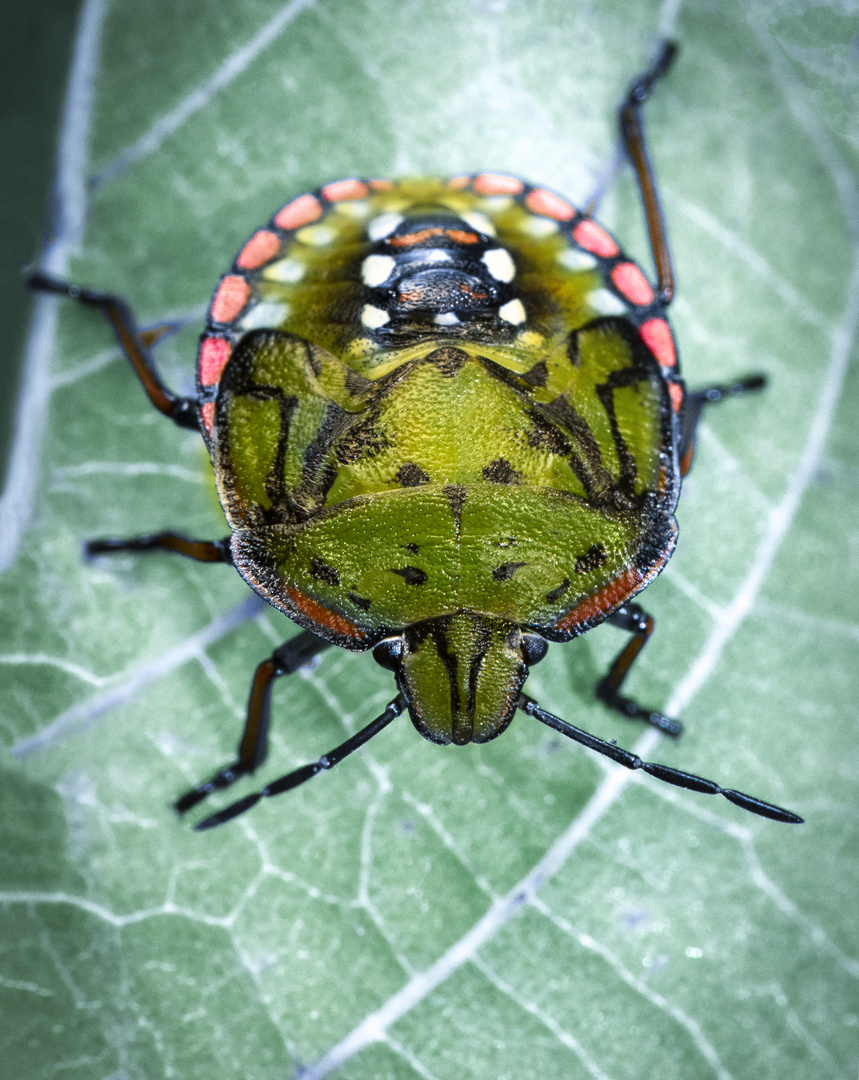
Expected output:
(447, 425)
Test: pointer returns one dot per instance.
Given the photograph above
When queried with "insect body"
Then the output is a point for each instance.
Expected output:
(447, 424)
(456, 439)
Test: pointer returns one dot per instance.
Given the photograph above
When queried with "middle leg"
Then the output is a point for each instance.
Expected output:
(212, 551)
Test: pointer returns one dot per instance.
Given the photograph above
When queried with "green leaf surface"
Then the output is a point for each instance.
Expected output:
(508, 911)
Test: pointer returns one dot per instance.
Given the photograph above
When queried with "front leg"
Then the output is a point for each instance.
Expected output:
(210, 551)
(134, 342)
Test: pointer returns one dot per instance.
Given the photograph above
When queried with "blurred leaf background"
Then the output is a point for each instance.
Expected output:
(678, 937)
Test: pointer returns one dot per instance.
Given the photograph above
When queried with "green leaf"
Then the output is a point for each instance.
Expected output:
(512, 910)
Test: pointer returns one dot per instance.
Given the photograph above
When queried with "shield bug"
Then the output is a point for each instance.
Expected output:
(447, 425)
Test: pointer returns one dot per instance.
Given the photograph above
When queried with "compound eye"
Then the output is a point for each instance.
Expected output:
(387, 653)
(534, 648)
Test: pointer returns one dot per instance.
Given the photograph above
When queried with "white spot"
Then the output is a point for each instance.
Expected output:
(499, 264)
(287, 271)
(376, 269)
(383, 225)
(268, 313)
(353, 208)
(447, 318)
(513, 312)
(374, 317)
(606, 303)
(539, 226)
(577, 260)
(478, 221)
(497, 202)
(434, 255)
(316, 235)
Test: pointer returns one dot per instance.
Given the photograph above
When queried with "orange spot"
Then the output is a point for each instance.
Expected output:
(629, 280)
(457, 183)
(656, 335)
(345, 189)
(207, 415)
(548, 204)
(381, 185)
(603, 600)
(258, 250)
(594, 238)
(497, 184)
(321, 615)
(300, 211)
(676, 392)
(459, 236)
(214, 354)
(686, 461)
(231, 296)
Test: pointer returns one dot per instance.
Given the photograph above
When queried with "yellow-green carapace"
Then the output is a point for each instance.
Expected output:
(443, 412)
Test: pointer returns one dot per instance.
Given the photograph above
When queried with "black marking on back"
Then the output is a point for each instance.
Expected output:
(361, 440)
(313, 359)
(318, 471)
(456, 495)
(322, 571)
(275, 484)
(412, 575)
(237, 381)
(356, 383)
(593, 559)
(506, 570)
(544, 435)
(586, 459)
(359, 601)
(556, 594)
(501, 472)
(538, 375)
(574, 353)
(483, 643)
(448, 360)
(628, 466)
(641, 370)
(411, 475)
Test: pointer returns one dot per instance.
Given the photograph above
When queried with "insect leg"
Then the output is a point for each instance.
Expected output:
(253, 745)
(693, 406)
(632, 133)
(306, 772)
(661, 772)
(135, 344)
(213, 551)
(636, 621)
